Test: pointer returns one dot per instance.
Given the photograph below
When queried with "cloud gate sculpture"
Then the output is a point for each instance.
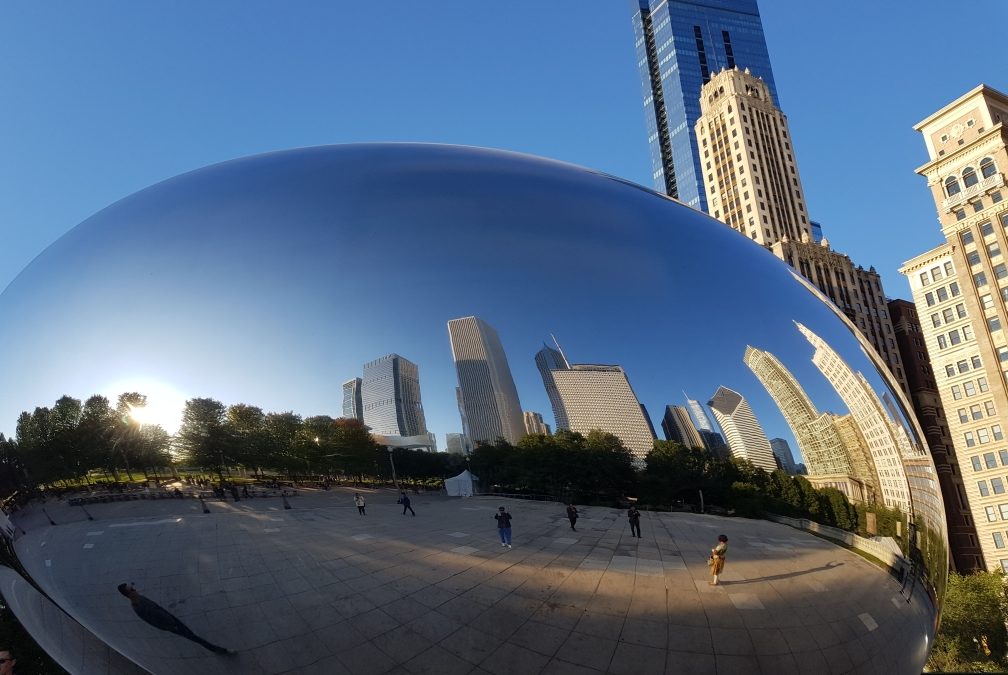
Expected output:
(424, 291)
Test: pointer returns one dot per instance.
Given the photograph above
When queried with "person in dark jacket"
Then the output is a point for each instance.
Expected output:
(404, 500)
(162, 619)
(633, 515)
(572, 515)
(504, 526)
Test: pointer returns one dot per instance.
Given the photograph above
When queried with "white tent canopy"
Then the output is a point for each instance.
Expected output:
(461, 485)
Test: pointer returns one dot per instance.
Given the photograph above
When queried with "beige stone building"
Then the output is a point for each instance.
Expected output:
(960, 289)
(752, 184)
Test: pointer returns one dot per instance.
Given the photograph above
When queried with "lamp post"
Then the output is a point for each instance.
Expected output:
(392, 462)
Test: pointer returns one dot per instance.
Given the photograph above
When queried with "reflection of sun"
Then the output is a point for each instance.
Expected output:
(164, 403)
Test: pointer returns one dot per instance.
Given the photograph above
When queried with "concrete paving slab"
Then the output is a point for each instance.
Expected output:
(321, 589)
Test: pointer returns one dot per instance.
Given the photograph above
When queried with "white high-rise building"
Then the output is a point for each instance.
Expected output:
(353, 405)
(600, 398)
(390, 393)
(745, 436)
(882, 434)
(534, 424)
(487, 397)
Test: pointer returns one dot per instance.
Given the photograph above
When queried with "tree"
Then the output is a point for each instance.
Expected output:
(355, 448)
(972, 637)
(247, 425)
(203, 436)
(281, 431)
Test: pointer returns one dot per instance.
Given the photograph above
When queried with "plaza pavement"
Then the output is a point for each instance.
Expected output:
(321, 589)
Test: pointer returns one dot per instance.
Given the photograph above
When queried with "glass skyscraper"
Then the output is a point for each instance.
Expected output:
(679, 46)
(390, 393)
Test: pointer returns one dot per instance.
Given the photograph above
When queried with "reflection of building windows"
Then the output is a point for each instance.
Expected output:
(990, 460)
(929, 298)
(997, 485)
(956, 392)
(963, 417)
(982, 383)
(1004, 511)
(992, 248)
(967, 238)
(969, 388)
(1001, 270)
(989, 406)
(997, 433)
(936, 320)
(925, 279)
(970, 440)
(967, 333)
(998, 540)
(973, 258)
(993, 324)
(1004, 457)
(979, 279)
(983, 436)
(942, 342)
(950, 371)
(976, 463)
(987, 301)
(975, 360)
(976, 412)
(984, 490)
(991, 514)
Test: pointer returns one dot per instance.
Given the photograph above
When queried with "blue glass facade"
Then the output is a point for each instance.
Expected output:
(679, 46)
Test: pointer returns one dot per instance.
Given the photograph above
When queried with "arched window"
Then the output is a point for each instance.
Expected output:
(969, 177)
(987, 168)
(951, 186)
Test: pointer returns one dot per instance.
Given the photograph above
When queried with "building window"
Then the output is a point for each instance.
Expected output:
(1002, 353)
(991, 514)
(976, 413)
(977, 206)
(994, 323)
(942, 342)
(973, 258)
(976, 463)
(969, 388)
(969, 177)
(967, 333)
(983, 436)
(929, 298)
(952, 186)
(948, 315)
(989, 460)
(950, 371)
(998, 540)
(925, 279)
(993, 249)
(1001, 270)
(987, 229)
(953, 288)
(979, 279)
(956, 390)
(982, 383)
(1003, 454)
(967, 237)
(996, 431)
(984, 490)
(960, 214)
(987, 168)
(963, 416)
(954, 338)
(996, 197)
(987, 301)
(975, 360)
(970, 440)
(1004, 511)
(997, 486)
(948, 269)
(989, 407)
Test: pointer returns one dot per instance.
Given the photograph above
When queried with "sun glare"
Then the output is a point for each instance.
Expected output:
(164, 403)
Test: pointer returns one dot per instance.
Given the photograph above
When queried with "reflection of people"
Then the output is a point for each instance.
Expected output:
(7, 662)
(633, 515)
(504, 526)
(162, 619)
(718, 558)
(572, 514)
(404, 500)
(359, 501)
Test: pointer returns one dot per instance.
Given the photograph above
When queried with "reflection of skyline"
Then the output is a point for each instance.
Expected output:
(317, 215)
(746, 438)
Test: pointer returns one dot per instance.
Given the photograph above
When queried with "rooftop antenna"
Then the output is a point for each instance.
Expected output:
(559, 349)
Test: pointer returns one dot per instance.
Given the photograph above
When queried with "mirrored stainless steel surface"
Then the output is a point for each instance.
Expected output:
(272, 280)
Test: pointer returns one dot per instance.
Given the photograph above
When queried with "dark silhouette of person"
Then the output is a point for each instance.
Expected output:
(572, 515)
(7, 661)
(633, 515)
(162, 619)
(405, 501)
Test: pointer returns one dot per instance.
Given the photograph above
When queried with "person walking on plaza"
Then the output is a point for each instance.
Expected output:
(633, 515)
(404, 500)
(717, 558)
(359, 501)
(504, 526)
(572, 514)
(162, 619)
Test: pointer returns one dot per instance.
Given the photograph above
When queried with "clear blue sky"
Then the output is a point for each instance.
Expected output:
(101, 99)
